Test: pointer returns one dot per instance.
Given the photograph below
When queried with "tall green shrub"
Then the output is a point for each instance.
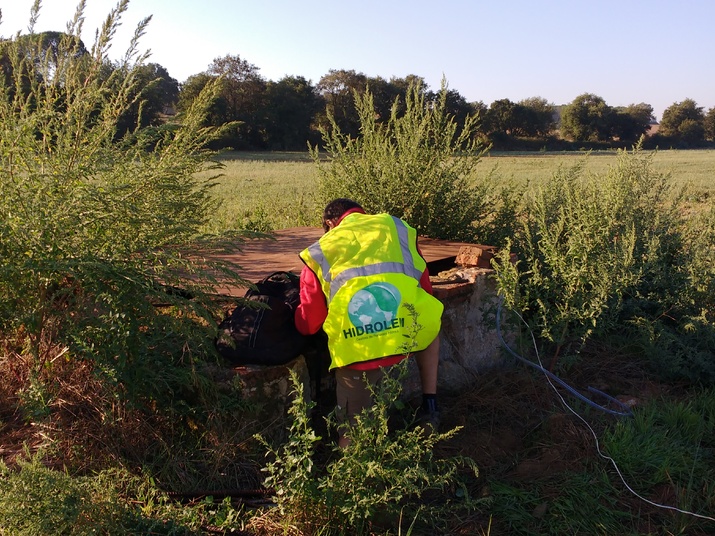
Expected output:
(622, 252)
(37, 500)
(93, 229)
(586, 242)
(676, 316)
(415, 164)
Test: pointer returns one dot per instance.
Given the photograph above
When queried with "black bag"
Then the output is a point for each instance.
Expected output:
(264, 335)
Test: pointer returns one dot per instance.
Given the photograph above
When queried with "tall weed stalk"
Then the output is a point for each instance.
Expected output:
(386, 473)
(97, 234)
(416, 164)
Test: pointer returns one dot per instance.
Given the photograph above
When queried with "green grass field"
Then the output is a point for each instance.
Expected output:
(272, 190)
(693, 167)
(262, 192)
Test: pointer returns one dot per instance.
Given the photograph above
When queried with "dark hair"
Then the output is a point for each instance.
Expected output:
(336, 208)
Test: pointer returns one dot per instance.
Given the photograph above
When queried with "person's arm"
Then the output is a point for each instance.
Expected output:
(425, 282)
(313, 309)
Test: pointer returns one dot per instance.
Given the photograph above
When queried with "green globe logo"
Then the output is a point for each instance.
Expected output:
(375, 303)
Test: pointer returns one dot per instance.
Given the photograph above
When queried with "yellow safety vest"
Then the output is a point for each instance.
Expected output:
(369, 269)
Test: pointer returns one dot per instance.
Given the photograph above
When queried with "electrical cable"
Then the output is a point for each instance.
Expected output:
(627, 411)
(550, 377)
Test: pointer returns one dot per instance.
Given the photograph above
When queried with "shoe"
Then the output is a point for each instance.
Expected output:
(428, 420)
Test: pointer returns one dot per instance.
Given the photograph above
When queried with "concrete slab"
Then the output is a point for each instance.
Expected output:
(261, 257)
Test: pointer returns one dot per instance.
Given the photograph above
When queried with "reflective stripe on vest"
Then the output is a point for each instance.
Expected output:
(406, 267)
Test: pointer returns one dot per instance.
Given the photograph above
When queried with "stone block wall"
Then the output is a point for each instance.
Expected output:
(469, 343)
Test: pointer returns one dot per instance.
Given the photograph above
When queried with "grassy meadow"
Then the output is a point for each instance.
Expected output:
(262, 192)
(269, 191)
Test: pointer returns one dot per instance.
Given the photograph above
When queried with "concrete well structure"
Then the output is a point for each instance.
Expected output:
(461, 276)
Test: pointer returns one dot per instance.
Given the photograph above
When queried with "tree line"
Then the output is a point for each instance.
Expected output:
(289, 114)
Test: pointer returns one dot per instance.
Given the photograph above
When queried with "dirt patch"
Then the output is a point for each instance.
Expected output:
(516, 428)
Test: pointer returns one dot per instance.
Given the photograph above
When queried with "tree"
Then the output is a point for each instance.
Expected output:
(386, 94)
(291, 106)
(632, 121)
(537, 117)
(152, 93)
(51, 45)
(338, 89)
(587, 118)
(160, 92)
(243, 94)
(709, 124)
(191, 89)
(456, 106)
(403, 85)
(156, 94)
(683, 121)
(501, 117)
(529, 118)
(43, 54)
(479, 111)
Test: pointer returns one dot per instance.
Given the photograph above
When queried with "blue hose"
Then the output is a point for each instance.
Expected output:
(627, 411)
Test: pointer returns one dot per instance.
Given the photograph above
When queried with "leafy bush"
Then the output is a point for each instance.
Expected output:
(35, 499)
(621, 252)
(415, 165)
(672, 309)
(375, 480)
(680, 333)
(585, 242)
(106, 315)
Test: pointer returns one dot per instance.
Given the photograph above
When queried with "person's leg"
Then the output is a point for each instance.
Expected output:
(352, 395)
(428, 363)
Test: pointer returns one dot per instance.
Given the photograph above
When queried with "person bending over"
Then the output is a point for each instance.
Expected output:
(359, 282)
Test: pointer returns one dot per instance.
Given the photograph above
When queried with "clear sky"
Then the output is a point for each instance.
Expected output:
(625, 51)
